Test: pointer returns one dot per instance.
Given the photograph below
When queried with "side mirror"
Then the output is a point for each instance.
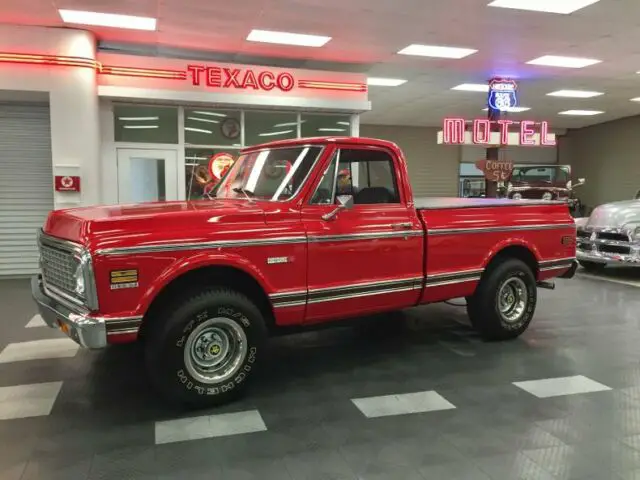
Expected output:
(345, 202)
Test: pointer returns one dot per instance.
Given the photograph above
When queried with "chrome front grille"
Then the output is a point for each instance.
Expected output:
(58, 268)
(611, 241)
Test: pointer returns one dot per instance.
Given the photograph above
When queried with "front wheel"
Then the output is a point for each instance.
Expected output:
(592, 267)
(504, 301)
(206, 350)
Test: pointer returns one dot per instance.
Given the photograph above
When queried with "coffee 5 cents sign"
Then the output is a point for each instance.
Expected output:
(496, 170)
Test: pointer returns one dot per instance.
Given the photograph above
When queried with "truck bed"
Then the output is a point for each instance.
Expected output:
(440, 203)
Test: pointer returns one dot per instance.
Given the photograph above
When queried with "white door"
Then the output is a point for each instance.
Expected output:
(147, 175)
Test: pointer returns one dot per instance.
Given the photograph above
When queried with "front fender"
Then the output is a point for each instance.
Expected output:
(185, 265)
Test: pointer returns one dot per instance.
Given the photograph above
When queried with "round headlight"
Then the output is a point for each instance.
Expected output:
(79, 278)
(517, 196)
(547, 196)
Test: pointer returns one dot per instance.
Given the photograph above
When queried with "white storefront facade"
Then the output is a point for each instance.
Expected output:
(81, 127)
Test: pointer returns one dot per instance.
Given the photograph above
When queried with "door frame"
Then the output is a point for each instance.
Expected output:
(149, 149)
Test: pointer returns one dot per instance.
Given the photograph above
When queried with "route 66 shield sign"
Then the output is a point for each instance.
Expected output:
(502, 94)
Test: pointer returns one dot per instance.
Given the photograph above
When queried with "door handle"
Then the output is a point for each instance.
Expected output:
(401, 226)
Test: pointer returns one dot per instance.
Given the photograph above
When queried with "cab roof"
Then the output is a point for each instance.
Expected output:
(373, 142)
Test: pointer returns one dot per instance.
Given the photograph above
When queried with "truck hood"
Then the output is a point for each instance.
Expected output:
(615, 215)
(138, 221)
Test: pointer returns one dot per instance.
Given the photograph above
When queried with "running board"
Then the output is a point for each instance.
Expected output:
(547, 285)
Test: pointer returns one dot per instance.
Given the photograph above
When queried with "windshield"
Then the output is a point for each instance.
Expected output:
(551, 173)
(271, 174)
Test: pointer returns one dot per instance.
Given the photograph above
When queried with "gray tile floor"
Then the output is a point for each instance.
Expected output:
(413, 396)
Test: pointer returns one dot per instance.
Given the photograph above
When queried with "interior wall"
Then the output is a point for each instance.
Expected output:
(433, 168)
(608, 157)
(72, 98)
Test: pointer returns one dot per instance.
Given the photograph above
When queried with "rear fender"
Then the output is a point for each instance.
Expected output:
(510, 242)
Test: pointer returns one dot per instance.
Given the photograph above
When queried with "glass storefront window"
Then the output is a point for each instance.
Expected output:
(198, 178)
(262, 127)
(205, 126)
(145, 124)
(318, 125)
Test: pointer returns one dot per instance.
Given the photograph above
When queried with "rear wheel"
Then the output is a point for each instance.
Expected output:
(205, 351)
(592, 267)
(504, 302)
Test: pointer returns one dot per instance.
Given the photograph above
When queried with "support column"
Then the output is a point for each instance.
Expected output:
(492, 153)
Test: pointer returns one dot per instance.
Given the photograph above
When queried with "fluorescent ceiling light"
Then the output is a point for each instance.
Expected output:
(344, 123)
(574, 94)
(549, 6)
(472, 87)
(138, 119)
(140, 126)
(513, 109)
(207, 120)
(212, 114)
(385, 82)
(271, 134)
(584, 113)
(331, 130)
(107, 20)
(288, 124)
(563, 62)
(201, 130)
(436, 51)
(636, 99)
(285, 38)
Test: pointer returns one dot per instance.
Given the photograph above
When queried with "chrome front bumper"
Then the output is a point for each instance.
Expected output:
(87, 331)
(609, 258)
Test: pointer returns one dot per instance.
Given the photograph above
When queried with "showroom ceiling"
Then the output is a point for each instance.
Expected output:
(367, 34)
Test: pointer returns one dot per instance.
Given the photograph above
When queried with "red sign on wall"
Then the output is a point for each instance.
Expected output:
(67, 183)
(243, 78)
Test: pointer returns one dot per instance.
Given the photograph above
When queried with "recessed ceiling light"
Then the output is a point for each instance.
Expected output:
(472, 87)
(513, 109)
(107, 20)
(385, 82)
(584, 113)
(436, 51)
(285, 38)
(564, 62)
(636, 99)
(574, 94)
(549, 6)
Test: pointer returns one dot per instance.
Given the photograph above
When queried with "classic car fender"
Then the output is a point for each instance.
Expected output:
(515, 244)
(183, 266)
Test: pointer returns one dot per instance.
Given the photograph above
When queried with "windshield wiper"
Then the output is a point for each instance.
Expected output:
(244, 192)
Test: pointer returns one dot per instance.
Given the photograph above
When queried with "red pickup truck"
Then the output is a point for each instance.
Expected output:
(298, 232)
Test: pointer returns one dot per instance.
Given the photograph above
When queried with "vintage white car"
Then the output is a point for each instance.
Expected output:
(610, 236)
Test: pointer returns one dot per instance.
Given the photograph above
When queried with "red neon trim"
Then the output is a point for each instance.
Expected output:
(325, 85)
(27, 58)
(143, 72)
(284, 81)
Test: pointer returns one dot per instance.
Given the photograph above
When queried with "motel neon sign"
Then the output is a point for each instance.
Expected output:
(482, 131)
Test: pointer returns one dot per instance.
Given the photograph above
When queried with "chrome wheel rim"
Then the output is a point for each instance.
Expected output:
(512, 299)
(215, 350)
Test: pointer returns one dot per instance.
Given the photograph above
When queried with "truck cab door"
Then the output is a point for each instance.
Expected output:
(365, 242)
